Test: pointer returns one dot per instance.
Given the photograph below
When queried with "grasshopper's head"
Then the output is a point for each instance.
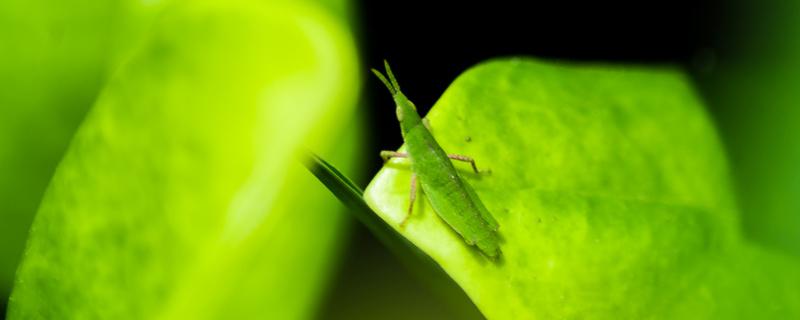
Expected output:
(404, 106)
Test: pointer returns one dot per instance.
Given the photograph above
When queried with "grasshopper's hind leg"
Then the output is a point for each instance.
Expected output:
(465, 159)
(411, 199)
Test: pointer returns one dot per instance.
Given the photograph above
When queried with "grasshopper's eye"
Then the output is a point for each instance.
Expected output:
(399, 112)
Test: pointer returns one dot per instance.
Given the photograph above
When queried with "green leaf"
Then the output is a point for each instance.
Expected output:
(54, 58)
(180, 196)
(612, 194)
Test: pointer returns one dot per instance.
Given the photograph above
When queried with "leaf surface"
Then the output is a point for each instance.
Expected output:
(181, 196)
(612, 194)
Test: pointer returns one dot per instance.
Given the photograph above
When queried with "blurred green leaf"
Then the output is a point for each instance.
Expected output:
(180, 195)
(612, 193)
(53, 66)
(754, 96)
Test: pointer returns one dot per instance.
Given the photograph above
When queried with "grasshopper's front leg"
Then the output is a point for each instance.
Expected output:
(386, 155)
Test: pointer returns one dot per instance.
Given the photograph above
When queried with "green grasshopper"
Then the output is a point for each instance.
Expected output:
(449, 194)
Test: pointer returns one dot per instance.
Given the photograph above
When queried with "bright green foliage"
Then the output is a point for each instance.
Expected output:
(612, 193)
(54, 57)
(180, 195)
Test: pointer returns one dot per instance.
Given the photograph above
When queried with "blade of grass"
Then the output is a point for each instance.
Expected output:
(351, 195)
(419, 263)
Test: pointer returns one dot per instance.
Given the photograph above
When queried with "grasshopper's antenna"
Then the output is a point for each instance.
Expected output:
(385, 82)
(391, 75)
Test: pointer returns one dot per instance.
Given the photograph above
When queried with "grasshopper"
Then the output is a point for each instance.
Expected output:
(450, 196)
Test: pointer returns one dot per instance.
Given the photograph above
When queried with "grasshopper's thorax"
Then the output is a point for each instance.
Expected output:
(406, 113)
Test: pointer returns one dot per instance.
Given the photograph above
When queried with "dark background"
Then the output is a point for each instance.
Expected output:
(429, 43)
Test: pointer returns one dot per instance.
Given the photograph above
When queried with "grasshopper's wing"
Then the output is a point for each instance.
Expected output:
(484, 212)
(457, 208)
